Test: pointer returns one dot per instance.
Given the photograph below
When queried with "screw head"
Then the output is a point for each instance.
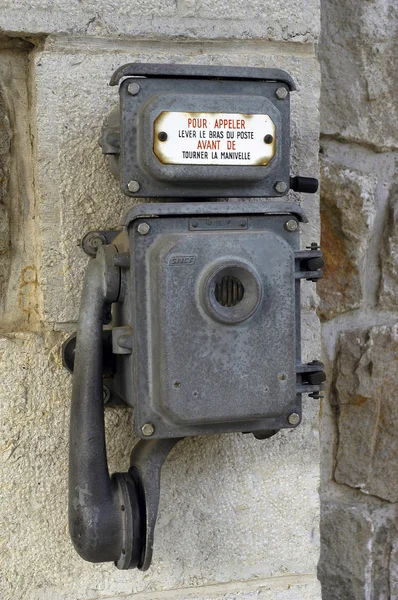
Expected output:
(143, 228)
(294, 419)
(133, 89)
(281, 93)
(291, 225)
(162, 136)
(268, 139)
(148, 429)
(281, 187)
(133, 186)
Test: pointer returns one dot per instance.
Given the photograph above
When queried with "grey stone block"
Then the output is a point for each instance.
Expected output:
(358, 49)
(348, 208)
(366, 392)
(388, 291)
(356, 550)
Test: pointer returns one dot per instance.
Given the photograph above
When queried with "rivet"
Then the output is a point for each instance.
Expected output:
(294, 419)
(148, 429)
(133, 186)
(143, 228)
(281, 187)
(133, 89)
(281, 93)
(291, 225)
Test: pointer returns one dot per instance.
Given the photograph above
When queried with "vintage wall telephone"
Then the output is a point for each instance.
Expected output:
(204, 332)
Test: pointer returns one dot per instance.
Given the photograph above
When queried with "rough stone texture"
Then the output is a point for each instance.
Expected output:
(356, 550)
(226, 504)
(347, 212)
(78, 192)
(366, 394)
(297, 21)
(357, 50)
(284, 589)
(388, 294)
(19, 305)
(393, 570)
(358, 57)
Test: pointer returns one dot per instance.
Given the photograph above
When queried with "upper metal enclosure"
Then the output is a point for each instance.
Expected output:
(171, 93)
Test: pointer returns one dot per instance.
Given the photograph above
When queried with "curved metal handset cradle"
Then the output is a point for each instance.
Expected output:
(198, 287)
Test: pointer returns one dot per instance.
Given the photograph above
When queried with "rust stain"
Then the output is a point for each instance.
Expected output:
(358, 400)
(27, 300)
(339, 272)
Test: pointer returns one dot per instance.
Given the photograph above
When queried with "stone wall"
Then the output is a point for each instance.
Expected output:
(238, 517)
(359, 299)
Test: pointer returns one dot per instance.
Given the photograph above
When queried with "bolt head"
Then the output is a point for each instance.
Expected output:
(148, 429)
(291, 225)
(143, 228)
(133, 186)
(281, 93)
(281, 187)
(133, 89)
(95, 240)
(294, 419)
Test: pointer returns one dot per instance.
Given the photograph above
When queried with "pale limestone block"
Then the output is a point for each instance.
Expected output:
(19, 304)
(188, 19)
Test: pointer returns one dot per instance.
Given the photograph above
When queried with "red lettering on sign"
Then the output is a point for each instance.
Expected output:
(230, 124)
(200, 123)
(208, 145)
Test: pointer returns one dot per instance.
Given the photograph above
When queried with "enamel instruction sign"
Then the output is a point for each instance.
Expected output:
(214, 139)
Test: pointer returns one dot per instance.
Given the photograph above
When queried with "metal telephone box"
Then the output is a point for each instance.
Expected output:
(203, 335)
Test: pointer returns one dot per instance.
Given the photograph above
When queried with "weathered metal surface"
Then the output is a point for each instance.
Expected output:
(190, 352)
(220, 210)
(141, 156)
(201, 72)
